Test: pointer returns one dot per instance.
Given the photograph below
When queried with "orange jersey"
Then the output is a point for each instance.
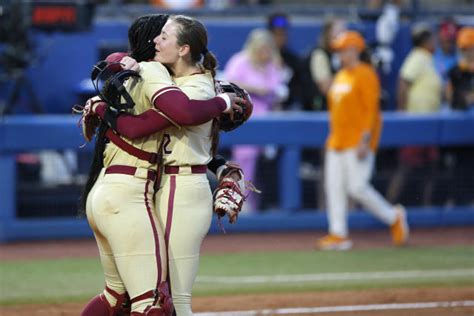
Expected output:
(353, 101)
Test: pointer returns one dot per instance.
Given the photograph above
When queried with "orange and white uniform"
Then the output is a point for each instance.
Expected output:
(353, 101)
(184, 200)
(120, 206)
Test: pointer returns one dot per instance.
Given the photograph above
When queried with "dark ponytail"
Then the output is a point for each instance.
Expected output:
(209, 63)
(140, 38)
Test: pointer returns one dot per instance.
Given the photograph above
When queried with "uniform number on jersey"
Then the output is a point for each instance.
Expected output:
(166, 142)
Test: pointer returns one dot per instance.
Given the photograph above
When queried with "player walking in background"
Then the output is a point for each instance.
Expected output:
(355, 126)
(119, 192)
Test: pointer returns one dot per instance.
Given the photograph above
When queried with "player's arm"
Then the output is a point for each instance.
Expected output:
(216, 164)
(177, 110)
(369, 98)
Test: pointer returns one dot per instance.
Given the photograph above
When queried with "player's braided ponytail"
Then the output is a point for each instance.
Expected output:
(209, 62)
(140, 37)
(141, 34)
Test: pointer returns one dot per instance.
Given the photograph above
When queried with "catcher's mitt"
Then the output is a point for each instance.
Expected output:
(226, 123)
(89, 120)
(229, 194)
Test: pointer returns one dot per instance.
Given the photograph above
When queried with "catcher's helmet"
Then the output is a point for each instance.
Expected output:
(225, 122)
(112, 90)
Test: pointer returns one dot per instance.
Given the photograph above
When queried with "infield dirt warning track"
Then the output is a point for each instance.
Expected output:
(442, 301)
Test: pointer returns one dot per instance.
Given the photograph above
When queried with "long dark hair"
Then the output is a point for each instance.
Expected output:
(193, 33)
(140, 38)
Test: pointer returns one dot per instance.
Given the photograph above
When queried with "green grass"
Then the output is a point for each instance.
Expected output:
(68, 280)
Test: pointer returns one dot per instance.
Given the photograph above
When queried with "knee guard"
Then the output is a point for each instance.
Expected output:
(152, 311)
(162, 296)
(99, 306)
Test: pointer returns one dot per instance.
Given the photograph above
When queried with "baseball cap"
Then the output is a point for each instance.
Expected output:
(466, 38)
(448, 30)
(348, 39)
(278, 21)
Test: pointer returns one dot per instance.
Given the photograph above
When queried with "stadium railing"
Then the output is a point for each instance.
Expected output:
(290, 131)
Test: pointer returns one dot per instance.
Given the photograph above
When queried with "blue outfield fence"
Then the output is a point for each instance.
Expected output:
(290, 131)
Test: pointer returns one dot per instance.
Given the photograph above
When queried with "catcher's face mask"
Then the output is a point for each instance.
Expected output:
(108, 84)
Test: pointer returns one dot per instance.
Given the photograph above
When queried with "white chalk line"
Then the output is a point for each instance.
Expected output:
(348, 308)
(343, 276)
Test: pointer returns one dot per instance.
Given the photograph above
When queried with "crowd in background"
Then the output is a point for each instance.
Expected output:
(436, 76)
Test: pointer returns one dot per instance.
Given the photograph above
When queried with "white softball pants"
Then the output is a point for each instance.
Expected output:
(346, 175)
(184, 204)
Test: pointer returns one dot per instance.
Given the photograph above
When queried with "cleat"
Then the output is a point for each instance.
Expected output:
(399, 229)
(334, 242)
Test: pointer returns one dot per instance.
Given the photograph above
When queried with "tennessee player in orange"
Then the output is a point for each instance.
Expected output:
(118, 197)
(184, 201)
(355, 126)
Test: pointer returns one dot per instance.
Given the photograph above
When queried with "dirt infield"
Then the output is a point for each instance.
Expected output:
(275, 241)
(297, 300)
(222, 243)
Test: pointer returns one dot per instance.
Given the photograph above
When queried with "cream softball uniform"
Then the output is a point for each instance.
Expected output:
(120, 206)
(184, 201)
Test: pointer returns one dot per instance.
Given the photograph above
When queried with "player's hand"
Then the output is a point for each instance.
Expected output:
(128, 63)
(91, 105)
(89, 120)
(363, 150)
(235, 102)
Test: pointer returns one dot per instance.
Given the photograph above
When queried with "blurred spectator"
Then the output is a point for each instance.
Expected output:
(319, 69)
(445, 56)
(178, 4)
(374, 4)
(419, 91)
(278, 24)
(460, 88)
(460, 94)
(355, 127)
(321, 65)
(257, 69)
(386, 29)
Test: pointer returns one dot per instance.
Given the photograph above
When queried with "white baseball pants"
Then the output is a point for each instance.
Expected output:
(346, 175)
